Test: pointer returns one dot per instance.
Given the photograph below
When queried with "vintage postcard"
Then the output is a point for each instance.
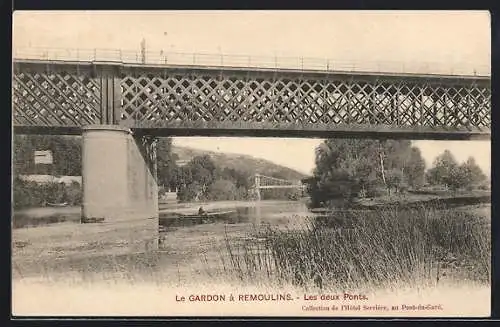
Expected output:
(251, 163)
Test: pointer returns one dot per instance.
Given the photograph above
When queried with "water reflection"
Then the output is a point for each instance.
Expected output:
(257, 214)
(26, 220)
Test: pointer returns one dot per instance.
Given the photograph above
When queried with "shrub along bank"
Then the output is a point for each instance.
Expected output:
(28, 194)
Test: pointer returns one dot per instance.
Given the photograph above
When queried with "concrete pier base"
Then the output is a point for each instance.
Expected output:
(119, 182)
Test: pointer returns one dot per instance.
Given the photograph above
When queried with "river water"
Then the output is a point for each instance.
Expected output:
(250, 214)
(197, 248)
(188, 246)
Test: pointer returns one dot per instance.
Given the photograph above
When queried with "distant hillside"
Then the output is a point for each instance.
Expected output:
(244, 163)
(66, 151)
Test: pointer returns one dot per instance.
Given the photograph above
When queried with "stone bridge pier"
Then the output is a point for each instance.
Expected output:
(120, 183)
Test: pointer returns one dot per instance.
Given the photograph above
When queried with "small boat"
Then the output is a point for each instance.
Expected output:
(208, 214)
(91, 220)
(320, 210)
(175, 219)
(64, 204)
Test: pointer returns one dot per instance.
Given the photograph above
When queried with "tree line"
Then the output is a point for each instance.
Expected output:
(66, 154)
(199, 179)
(446, 171)
(351, 168)
(202, 179)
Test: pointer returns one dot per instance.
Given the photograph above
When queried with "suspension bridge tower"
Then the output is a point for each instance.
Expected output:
(257, 187)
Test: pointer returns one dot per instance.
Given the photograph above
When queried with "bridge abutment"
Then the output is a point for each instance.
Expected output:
(120, 184)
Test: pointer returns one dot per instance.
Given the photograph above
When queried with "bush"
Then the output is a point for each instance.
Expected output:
(74, 193)
(189, 192)
(28, 194)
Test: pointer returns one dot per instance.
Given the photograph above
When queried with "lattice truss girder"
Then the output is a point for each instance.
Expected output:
(211, 98)
(59, 97)
(55, 98)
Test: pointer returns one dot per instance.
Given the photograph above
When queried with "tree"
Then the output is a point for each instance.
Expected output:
(166, 163)
(22, 161)
(468, 175)
(241, 179)
(195, 178)
(66, 153)
(203, 171)
(444, 170)
(395, 179)
(189, 192)
(350, 168)
(183, 176)
(222, 189)
(415, 168)
(472, 173)
(457, 177)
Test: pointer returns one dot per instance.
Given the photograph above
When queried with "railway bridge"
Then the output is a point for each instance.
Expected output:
(121, 107)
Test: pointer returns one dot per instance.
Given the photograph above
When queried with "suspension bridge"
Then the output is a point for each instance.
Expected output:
(262, 182)
(122, 105)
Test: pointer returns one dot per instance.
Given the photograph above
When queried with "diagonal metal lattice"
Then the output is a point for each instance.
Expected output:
(52, 98)
(57, 94)
(267, 182)
(151, 100)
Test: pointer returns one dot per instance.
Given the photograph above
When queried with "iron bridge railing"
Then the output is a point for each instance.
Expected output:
(160, 57)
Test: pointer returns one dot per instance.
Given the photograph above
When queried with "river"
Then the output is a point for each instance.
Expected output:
(241, 213)
(45, 243)
(190, 249)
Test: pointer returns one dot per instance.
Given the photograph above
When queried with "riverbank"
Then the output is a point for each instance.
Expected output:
(413, 199)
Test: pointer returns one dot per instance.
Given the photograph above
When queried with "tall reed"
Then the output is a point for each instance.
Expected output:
(353, 249)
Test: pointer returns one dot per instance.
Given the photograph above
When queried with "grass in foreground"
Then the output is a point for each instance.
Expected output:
(353, 250)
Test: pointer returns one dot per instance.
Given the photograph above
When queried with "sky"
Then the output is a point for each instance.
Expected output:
(299, 153)
(448, 40)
